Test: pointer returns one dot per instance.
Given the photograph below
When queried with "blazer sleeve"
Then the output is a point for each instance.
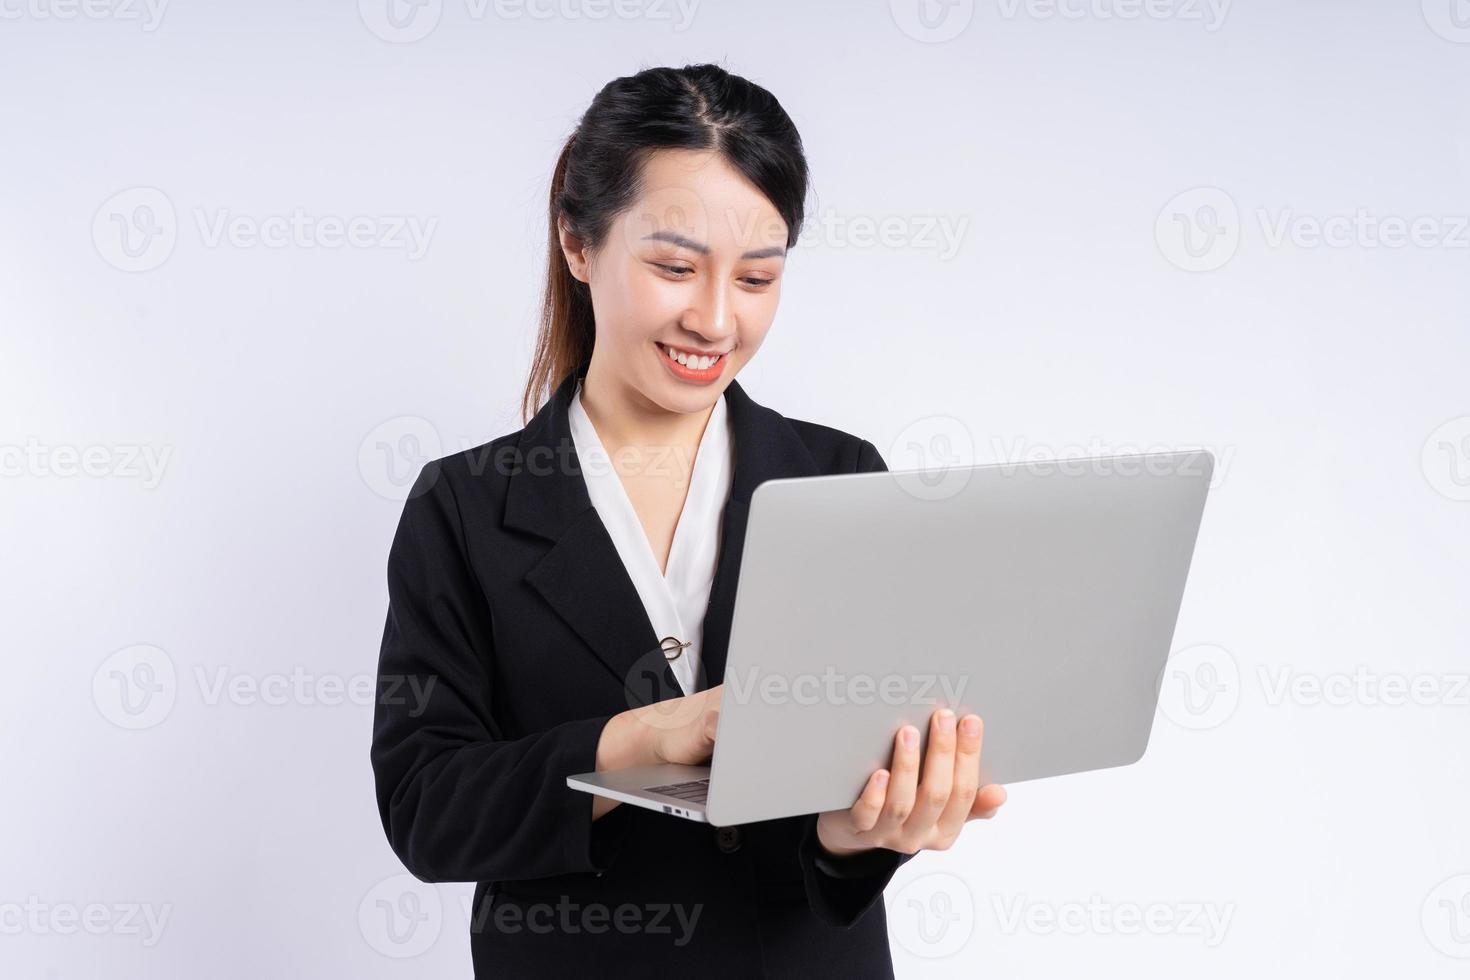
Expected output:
(841, 890)
(459, 800)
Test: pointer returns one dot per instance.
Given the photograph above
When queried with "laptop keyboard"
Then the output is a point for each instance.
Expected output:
(694, 791)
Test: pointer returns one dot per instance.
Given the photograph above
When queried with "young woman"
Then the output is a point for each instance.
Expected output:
(563, 594)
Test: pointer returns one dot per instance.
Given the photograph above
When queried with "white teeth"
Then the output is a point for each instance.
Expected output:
(694, 362)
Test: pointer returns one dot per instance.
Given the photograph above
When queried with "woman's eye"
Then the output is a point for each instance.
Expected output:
(676, 269)
(757, 282)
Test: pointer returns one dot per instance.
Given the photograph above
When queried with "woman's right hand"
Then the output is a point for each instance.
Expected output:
(678, 730)
(683, 729)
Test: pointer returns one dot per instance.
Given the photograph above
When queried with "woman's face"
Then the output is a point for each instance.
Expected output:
(694, 266)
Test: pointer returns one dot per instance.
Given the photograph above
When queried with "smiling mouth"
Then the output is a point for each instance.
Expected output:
(690, 360)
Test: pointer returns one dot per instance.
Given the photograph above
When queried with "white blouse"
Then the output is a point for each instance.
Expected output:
(676, 599)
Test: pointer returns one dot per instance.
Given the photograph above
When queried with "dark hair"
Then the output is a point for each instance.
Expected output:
(599, 174)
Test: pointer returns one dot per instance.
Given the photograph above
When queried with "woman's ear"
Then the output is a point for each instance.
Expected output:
(573, 250)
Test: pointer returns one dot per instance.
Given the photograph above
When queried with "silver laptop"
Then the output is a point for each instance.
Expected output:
(1040, 595)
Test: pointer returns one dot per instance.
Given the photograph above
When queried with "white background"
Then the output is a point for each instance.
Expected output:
(1084, 306)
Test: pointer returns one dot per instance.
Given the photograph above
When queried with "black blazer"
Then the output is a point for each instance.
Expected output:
(507, 595)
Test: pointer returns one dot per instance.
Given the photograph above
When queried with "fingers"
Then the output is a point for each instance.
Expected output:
(902, 783)
(987, 801)
(869, 806)
(966, 777)
(938, 775)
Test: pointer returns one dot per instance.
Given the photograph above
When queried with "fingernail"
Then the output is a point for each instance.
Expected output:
(882, 778)
(946, 721)
(910, 736)
(971, 725)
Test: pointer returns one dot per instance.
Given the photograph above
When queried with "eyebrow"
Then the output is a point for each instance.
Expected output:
(673, 237)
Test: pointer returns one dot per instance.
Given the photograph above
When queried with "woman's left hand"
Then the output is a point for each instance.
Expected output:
(904, 812)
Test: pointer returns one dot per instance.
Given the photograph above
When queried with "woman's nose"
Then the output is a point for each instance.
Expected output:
(711, 315)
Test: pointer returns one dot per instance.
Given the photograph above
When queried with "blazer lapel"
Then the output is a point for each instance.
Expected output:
(582, 576)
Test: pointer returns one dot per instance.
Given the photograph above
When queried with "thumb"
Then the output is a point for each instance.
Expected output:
(711, 722)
